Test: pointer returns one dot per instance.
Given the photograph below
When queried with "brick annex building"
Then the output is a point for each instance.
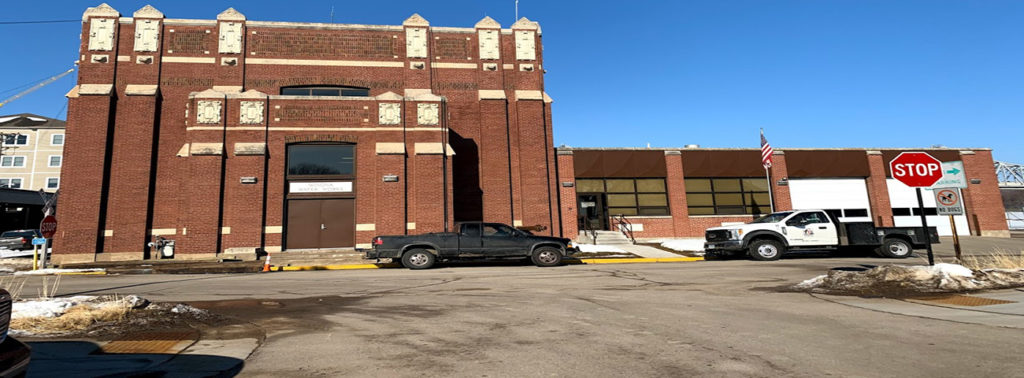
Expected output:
(232, 136)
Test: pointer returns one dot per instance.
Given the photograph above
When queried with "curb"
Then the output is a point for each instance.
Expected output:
(396, 265)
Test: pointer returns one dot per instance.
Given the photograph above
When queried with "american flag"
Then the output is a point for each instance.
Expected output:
(766, 152)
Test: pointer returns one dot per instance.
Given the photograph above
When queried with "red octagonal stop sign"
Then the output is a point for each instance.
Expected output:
(48, 226)
(916, 169)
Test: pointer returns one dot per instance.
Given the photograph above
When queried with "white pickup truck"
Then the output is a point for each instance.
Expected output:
(769, 237)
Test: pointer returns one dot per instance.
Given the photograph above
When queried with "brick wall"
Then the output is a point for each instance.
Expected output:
(984, 205)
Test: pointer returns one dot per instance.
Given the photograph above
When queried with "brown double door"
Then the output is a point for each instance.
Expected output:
(321, 223)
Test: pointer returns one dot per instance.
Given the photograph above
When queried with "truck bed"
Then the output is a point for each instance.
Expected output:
(866, 234)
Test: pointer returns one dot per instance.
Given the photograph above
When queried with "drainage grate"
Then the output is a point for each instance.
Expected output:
(965, 300)
(150, 343)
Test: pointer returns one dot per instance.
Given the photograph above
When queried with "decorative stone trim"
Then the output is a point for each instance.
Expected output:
(101, 34)
(431, 148)
(250, 149)
(147, 35)
(673, 152)
(492, 94)
(389, 96)
(183, 151)
(410, 226)
(415, 20)
(225, 230)
(108, 233)
(416, 42)
(163, 231)
(208, 112)
(389, 113)
(565, 152)
(366, 227)
(140, 90)
(487, 22)
(188, 59)
(389, 148)
(251, 112)
(102, 10)
(206, 149)
(148, 12)
(273, 229)
(529, 95)
(230, 14)
(427, 114)
(95, 89)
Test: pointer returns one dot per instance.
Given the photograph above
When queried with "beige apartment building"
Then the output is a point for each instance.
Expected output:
(31, 152)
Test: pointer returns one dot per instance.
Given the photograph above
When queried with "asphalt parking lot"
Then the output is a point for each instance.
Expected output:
(710, 318)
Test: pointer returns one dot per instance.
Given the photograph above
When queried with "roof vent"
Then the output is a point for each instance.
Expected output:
(692, 146)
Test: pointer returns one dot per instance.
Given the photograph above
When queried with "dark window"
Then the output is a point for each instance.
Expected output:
(727, 196)
(471, 230)
(629, 196)
(900, 211)
(16, 139)
(321, 160)
(927, 211)
(325, 91)
(804, 219)
(856, 212)
(497, 230)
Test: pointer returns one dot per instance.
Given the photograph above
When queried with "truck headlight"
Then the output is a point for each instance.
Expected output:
(735, 234)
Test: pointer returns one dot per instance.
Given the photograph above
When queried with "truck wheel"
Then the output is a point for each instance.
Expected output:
(546, 256)
(895, 248)
(418, 259)
(766, 250)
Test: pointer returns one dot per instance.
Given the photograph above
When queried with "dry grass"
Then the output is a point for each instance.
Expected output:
(49, 289)
(1000, 259)
(76, 318)
(13, 285)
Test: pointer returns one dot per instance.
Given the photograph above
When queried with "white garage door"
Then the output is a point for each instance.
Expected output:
(848, 197)
(906, 214)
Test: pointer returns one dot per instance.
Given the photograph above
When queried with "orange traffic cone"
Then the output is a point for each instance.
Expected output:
(266, 263)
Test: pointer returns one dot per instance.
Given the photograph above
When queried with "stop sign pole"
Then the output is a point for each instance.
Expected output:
(918, 170)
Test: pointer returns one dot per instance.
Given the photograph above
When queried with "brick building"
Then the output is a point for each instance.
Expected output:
(232, 136)
(681, 192)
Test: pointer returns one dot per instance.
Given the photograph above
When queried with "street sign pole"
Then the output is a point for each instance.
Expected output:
(35, 256)
(956, 239)
(924, 223)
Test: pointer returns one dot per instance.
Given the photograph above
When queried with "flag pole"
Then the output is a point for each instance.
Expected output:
(766, 162)
(771, 197)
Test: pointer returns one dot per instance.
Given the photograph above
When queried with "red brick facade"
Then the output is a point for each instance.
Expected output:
(148, 153)
(982, 199)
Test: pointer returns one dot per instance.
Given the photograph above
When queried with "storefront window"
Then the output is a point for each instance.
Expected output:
(727, 196)
(640, 196)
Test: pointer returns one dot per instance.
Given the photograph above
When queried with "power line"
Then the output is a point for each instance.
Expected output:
(36, 22)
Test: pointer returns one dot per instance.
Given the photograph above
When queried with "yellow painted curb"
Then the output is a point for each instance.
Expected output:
(326, 267)
(641, 260)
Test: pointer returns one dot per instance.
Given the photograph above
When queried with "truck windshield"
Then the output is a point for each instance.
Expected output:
(773, 217)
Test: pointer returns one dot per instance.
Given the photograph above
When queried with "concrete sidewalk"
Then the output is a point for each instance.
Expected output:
(1000, 308)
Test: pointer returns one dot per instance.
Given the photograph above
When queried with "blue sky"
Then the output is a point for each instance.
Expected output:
(813, 73)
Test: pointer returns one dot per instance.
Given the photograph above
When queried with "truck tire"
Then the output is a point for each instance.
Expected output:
(895, 248)
(418, 258)
(766, 250)
(546, 256)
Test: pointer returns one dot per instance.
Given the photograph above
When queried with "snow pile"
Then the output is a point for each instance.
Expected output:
(186, 309)
(896, 280)
(49, 271)
(587, 248)
(683, 245)
(47, 308)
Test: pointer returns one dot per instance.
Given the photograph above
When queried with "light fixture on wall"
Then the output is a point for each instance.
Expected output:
(975, 181)
(390, 178)
(568, 184)
(784, 181)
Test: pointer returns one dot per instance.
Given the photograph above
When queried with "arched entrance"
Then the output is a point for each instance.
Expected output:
(320, 199)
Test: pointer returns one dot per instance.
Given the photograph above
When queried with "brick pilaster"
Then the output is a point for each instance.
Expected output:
(878, 190)
(984, 204)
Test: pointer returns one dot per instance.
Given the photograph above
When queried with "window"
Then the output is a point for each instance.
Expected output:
(856, 212)
(12, 161)
(57, 140)
(901, 211)
(12, 183)
(321, 160)
(629, 196)
(52, 182)
(727, 196)
(908, 211)
(498, 230)
(325, 91)
(55, 160)
(804, 219)
(15, 139)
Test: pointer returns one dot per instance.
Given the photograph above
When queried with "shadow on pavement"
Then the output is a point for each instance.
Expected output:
(83, 358)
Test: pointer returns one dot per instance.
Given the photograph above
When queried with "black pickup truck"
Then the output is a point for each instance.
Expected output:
(475, 240)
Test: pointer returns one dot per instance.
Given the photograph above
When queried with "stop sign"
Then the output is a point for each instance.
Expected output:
(916, 169)
(48, 226)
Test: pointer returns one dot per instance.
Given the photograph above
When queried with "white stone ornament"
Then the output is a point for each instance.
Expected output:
(101, 34)
(147, 35)
(426, 114)
(490, 42)
(208, 112)
(251, 112)
(416, 42)
(389, 113)
(230, 38)
(526, 45)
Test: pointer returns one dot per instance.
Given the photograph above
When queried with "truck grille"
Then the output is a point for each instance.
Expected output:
(716, 235)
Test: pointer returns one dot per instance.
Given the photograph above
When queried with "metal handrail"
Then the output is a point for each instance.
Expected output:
(625, 226)
(588, 230)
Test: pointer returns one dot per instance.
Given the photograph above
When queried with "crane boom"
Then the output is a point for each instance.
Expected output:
(37, 86)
